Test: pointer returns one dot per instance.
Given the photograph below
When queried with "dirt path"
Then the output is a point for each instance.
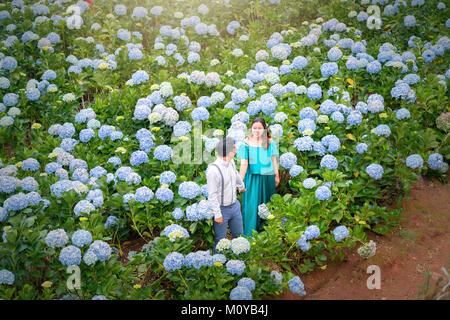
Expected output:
(420, 243)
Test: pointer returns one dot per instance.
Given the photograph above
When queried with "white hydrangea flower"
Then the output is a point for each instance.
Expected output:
(223, 244)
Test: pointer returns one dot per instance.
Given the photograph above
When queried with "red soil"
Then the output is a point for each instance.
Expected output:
(420, 243)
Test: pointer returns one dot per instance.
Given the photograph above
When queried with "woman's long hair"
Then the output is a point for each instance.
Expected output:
(265, 136)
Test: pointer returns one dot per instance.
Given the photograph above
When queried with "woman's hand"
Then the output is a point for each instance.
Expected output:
(277, 180)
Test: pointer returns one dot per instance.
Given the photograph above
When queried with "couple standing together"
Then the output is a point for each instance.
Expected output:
(257, 180)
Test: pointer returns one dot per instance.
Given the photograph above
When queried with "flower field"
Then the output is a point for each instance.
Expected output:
(110, 113)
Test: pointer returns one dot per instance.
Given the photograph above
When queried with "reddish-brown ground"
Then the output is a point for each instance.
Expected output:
(420, 243)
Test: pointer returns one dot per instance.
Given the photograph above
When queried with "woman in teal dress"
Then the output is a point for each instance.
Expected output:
(259, 171)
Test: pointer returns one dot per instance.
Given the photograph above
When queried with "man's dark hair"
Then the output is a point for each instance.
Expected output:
(225, 146)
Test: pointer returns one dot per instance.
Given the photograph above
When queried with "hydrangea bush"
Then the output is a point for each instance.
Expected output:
(102, 107)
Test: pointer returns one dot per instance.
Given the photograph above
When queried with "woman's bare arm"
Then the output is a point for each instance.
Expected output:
(243, 168)
(275, 169)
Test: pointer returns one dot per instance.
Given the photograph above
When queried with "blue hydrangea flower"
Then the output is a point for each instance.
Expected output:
(204, 102)
(142, 111)
(337, 116)
(181, 128)
(414, 161)
(189, 190)
(304, 124)
(247, 283)
(163, 153)
(111, 221)
(8, 63)
(83, 206)
(177, 214)
(175, 227)
(296, 286)
(308, 113)
(373, 67)
(361, 148)
(314, 92)
(67, 130)
(97, 172)
(3, 214)
(330, 162)
(33, 198)
(173, 261)
(374, 171)
(139, 77)
(268, 103)
(382, 130)
(235, 267)
(402, 113)
(138, 158)
(198, 259)
(17, 202)
(303, 144)
(167, 177)
(49, 75)
(354, 118)
(309, 183)
(340, 233)
(328, 69)
(81, 174)
(287, 160)
(218, 257)
(323, 193)
(115, 161)
(254, 107)
(80, 238)
(143, 194)
(200, 114)
(428, 55)
(435, 161)
(6, 277)
(164, 194)
(8, 184)
(332, 143)
(70, 256)
(182, 102)
(10, 99)
(33, 94)
(295, 170)
(74, 69)
(105, 131)
(312, 232)
(401, 90)
(303, 244)
(334, 54)
(68, 144)
(101, 249)
(299, 62)
(239, 96)
(241, 293)
(29, 184)
(30, 164)
(56, 238)
(409, 21)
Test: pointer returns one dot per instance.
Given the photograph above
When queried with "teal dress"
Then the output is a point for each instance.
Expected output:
(259, 182)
